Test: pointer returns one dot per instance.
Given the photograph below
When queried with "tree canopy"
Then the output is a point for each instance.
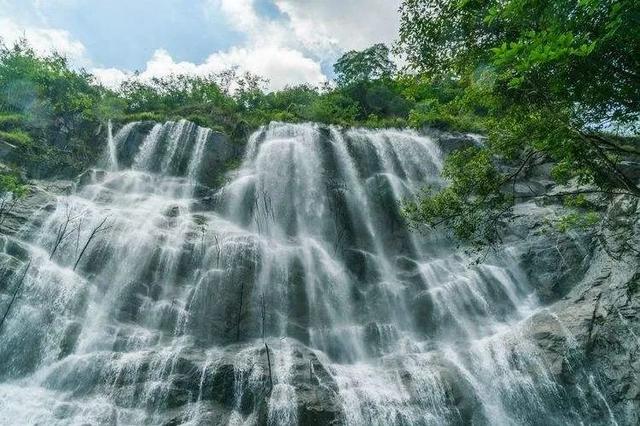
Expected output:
(544, 80)
(370, 64)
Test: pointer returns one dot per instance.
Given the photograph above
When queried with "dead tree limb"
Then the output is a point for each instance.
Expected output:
(269, 364)
(592, 323)
(96, 230)
(618, 174)
(15, 294)
(63, 232)
(203, 232)
(262, 305)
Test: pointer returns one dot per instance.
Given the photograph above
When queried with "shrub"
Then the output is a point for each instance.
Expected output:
(16, 137)
(11, 121)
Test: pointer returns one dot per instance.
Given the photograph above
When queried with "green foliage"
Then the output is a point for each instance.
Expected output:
(16, 137)
(377, 122)
(44, 86)
(57, 115)
(171, 93)
(333, 108)
(11, 183)
(582, 214)
(541, 51)
(432, 113)
(471, 205)
(544, 79)
(11, 121)
(46, 108)
(577, 201)
(142, 116)
(577, 220)
(366, 65)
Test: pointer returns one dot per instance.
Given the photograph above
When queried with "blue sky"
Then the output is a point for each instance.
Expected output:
(287, 41)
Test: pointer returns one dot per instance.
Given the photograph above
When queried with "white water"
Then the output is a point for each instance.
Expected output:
(163, 318)
(111, 146)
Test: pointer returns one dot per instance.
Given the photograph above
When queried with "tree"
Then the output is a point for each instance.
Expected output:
(585, 51)
(366, 65)
(44, 86)
(50, 111)
(554, 80)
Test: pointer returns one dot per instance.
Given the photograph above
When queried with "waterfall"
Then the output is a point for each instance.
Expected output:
(291, 294)
(196, 158)
(111, 146)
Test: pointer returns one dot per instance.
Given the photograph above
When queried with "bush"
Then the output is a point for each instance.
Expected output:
(141, 116)
(577, 221)
(11, 182)
(16, 137)
(11, 121)
(376, 122)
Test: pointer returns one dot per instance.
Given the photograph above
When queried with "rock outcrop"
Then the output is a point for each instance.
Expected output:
(589, 281)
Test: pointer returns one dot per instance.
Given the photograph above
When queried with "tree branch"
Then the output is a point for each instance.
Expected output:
(95, 231)
(15, 294)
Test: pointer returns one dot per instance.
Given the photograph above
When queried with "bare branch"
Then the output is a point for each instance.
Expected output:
(100, 228)
(262, 304)
(15, 294)
(63, 231)
(269, 364)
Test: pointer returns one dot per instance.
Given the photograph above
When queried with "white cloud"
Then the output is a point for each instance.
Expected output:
(44, 40)
(267, 52)
(342, 24)
(318, 26)
(307, 31)
(241, 13)
(111, 77)
(282, 66)
(259, 31)
(264, 56)
(287, 49)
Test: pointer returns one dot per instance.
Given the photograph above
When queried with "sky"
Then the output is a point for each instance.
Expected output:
(286, 41)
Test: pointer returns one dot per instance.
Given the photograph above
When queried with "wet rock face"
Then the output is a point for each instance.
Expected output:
(214, 150)
(289, 291)
(216, 382)
(553, 261)
(23, 219)
(40, 199)
(452, 142)
(132, 140)
(589, 334)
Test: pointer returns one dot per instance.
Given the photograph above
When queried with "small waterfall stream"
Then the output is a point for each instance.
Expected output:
(293, 294)
(111, 147)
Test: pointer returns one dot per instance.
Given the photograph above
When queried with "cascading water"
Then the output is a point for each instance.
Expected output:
(111, 148)
(293, 294)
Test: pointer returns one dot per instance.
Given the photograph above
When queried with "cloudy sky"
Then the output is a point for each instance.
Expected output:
(287, 41)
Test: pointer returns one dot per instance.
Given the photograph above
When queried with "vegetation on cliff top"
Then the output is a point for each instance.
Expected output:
(54, 116)
(544, 80)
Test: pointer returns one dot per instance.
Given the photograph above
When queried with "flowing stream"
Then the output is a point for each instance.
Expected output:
(292, 294)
